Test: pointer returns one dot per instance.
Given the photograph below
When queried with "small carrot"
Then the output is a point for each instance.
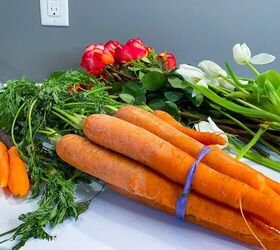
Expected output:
(147, 148)
(205, 138)
(18, 177)
(4, 165)
(217, 159)
(140, 183)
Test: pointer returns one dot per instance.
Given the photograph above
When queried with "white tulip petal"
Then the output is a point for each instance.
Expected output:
(211, 127)
(191, 74)
(241, 53)
(243, 82)
(184, 74)
(218, 131)
(262, 58)
(223, 83)
(211, 69)
(213, 81)
(203, 126)
(203, 82)
(189, 67)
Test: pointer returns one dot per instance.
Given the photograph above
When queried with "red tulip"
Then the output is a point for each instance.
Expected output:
(134, 49)
(95, 58)
(112, 45)
(168, 60)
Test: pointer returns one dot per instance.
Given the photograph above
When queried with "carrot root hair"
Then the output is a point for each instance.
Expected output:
(247, 224)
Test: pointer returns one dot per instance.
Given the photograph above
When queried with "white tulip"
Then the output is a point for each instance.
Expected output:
(190, 73)
(211, 127)
(213, 73)
(242, 55)
(211, 69)
(193, 75)
(225, 84)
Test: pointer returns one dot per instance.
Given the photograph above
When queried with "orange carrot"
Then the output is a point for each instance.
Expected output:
(137, 182)
(212, 139)
(18, 178)
(4, 165)
(205, 138)
(147, 148)
(217, 159)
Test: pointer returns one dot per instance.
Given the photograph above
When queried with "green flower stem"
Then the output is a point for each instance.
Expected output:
(234, 84)
(256, 147)
(239, 123)
(116, 70)
(257, 73)
(235, 78)
(255, 157)
(219, 89)
(254, 140)
(245, 79)
(249, 105)
(253, 112)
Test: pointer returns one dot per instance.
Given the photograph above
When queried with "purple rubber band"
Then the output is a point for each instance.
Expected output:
(183, 198)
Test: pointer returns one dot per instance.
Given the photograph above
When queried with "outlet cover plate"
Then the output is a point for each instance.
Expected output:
(60, 15)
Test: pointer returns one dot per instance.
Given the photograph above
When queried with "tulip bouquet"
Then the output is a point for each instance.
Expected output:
(246, 109)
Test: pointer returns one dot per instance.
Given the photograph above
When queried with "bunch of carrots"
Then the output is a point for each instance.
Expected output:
(13, 172)
(146, 156)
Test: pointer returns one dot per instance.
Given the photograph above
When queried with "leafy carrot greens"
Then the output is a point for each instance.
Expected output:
(27, 108)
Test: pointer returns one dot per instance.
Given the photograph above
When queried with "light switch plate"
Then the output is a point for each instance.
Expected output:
(54, 12)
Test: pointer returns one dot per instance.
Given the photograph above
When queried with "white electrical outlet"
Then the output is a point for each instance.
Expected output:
(53, 8)
(54, 12)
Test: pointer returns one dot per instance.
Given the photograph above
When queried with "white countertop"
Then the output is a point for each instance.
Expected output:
(114, 222)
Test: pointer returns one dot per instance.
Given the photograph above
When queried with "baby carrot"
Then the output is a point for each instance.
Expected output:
(4, 165)
(18, 178)
(140, 183)
(147, 148)
(217, 159)
(205, 138)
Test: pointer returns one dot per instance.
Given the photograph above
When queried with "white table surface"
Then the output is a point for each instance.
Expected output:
(114, 222)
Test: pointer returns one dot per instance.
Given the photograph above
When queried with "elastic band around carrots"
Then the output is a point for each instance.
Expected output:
(183, 198)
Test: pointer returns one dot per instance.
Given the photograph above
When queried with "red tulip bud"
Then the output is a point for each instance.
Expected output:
(112, 46)
(95, 58)
(134, 49)
(168, 60)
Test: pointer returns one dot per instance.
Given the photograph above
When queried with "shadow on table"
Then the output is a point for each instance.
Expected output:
(151, 224)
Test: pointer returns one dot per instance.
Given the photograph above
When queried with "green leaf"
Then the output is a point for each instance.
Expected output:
(146, 60)
(177, 83)
(157, 103)
(250, 112)
(153, 81)
(173, 96)
(141, 74)
(127, 98)
(272, 76)
(172, 109)
(136, 90)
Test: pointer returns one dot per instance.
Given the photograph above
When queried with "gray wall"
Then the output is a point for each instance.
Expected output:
(192, 29)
